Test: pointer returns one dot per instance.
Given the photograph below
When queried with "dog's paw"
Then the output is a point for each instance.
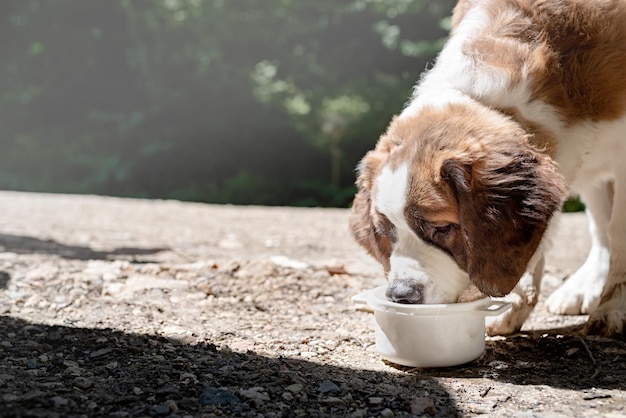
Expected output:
(574, 298)
(609, 319)
(580, 294)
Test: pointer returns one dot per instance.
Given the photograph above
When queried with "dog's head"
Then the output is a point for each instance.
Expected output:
(452, 197)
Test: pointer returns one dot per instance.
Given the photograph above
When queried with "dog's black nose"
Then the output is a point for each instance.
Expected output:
(405, 293)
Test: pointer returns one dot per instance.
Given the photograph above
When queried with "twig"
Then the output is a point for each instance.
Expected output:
(593, 360)
(595, 374)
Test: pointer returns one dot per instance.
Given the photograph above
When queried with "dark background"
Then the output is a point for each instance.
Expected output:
(267, 102)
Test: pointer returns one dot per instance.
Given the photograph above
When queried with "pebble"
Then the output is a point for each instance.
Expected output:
(218, 396)
(167, 390)
(172, 404)
(161, 410)
(422, 405)
(10, 397)
(83, 382)
(188, 403)
(33, 394)
(58, 401)
(73, 371)
(101, 352)
(328, 387)
(255, 394)
(331, 401)
(387, 413)
(187, 378)
(111, 366)
(295, 388)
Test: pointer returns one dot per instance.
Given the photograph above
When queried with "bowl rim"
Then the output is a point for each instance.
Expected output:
(376, 299)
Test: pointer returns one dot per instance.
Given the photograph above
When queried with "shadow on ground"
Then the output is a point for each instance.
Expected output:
(63, 371)
(29, 245)
(54, 371)
(564, 361)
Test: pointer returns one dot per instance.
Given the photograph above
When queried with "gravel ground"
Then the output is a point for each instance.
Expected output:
(124, 308)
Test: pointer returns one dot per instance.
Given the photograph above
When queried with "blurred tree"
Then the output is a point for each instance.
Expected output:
(209, 100)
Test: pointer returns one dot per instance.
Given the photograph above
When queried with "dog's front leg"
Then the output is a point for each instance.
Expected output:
(523, 299)
(581, 292)
(609, 319)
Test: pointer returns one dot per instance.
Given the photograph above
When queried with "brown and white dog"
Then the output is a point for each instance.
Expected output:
(525, 103)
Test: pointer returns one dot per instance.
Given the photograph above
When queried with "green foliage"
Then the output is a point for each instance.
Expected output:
(236, 101)
(573, 205)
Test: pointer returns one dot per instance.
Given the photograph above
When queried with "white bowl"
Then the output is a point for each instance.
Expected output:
(437, 335)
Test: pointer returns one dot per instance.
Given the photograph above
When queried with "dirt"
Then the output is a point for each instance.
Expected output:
(125, 308)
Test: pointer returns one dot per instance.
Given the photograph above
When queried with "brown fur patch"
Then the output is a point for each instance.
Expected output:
(573, 52)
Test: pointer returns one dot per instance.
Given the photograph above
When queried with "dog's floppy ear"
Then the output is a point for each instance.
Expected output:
(506, 200)
(364, 231)
(361, 216)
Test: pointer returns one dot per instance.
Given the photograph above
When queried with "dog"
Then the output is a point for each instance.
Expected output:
(525, 105)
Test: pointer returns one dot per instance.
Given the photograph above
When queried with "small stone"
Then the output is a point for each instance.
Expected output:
(498, 365)
(31, 329)
(33, 394)
(83, 382)
(295, 388)
(188, 403)
(58, 401)
(9, 397)
(111, 366)
(31, 363)
(137, 390)
(161, 410)
(101, 352)
(167, 390)
(187, 378)
(331, 401)
(375, 400)
(422, 405)
(328, 387)
(172, 404)
(217, 396)
(255, 394)
(287, 397)
(387, 413)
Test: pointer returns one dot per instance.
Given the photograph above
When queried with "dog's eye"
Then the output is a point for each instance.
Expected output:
(442, 229)
(437, 231)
